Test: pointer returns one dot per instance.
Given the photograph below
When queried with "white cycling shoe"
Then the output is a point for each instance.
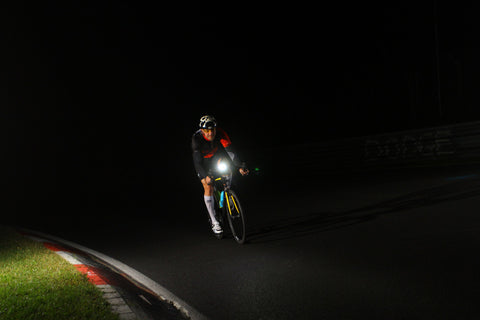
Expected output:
(216, 228)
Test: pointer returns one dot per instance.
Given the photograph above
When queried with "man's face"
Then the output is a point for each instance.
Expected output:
(209, 134)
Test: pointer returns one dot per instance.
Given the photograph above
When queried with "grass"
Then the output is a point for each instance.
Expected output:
(36, 283)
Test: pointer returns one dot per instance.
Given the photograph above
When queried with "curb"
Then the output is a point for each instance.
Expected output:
(78, 256)
(110, 294)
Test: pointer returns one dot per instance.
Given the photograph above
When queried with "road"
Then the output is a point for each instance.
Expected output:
(370, 246)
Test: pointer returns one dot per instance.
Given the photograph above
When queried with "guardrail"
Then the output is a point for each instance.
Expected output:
(431, 147)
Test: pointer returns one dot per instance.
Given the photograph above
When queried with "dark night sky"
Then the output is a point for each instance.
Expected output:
(103, 96)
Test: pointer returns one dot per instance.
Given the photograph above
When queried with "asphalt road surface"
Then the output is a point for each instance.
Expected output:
(370, 246)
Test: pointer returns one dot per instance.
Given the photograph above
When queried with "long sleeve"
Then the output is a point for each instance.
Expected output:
(233, 156)
(198, 159)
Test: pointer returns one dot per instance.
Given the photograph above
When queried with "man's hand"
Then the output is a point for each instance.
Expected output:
(244, 171)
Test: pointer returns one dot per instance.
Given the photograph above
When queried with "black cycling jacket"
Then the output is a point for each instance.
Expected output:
(204, 151)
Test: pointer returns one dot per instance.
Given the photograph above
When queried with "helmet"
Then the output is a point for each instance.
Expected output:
(207, 122)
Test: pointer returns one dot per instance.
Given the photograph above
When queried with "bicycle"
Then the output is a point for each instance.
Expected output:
(227, 204)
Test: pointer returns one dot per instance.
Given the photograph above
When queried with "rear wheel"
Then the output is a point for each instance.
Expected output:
(235, 216)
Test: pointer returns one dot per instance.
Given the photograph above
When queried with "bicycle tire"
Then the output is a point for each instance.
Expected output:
(235, 216)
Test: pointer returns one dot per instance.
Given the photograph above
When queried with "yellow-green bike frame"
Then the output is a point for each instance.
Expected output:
(231, 209)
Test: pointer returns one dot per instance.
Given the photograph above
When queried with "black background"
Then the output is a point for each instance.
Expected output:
(99, 100)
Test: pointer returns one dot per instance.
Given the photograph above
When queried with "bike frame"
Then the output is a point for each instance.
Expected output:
(226, 181)
(231, 211)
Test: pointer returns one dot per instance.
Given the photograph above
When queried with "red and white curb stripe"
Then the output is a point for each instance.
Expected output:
(117, 303)
(163, 294)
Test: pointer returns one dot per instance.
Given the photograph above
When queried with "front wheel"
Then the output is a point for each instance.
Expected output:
(235, 216)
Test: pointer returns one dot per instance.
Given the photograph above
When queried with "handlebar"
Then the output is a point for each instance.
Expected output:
(216, 175)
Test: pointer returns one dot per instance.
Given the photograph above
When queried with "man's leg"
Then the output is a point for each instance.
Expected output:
(209, 203)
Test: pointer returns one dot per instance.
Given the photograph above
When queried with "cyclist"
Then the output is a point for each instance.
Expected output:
(209, 145)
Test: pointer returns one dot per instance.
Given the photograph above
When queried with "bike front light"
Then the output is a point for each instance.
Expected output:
(222, 167)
